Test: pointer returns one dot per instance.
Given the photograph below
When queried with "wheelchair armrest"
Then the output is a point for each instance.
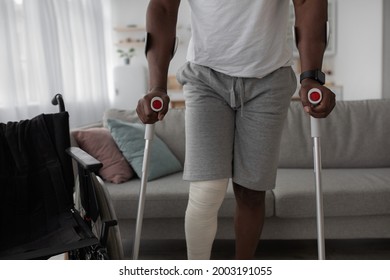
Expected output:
(85, 160)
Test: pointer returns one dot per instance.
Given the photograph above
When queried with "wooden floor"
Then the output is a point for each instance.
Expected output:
(268, 250)
(272, 250)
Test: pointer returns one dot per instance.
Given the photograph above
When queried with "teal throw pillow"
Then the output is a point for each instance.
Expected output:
(130, 139)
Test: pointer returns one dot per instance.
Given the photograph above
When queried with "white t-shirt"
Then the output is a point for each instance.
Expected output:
(241, 38)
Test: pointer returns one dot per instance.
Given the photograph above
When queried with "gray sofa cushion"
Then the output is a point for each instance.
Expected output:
(166, 197)
(355, 135)
(172, 131)
(346, 192)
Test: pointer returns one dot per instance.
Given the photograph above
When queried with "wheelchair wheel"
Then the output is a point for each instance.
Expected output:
(95, 252)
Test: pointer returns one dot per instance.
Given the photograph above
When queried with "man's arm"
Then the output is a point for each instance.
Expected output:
(161, 19)
(311, 37)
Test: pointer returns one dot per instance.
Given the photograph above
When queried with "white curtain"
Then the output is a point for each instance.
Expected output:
(49, 47)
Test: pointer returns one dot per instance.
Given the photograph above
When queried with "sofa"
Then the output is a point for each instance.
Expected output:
(356, 177)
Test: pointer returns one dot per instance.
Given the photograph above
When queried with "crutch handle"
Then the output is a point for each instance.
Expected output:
(157, 105)
(315, 96)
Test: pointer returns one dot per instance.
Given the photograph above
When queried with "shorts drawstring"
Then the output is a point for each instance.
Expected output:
(241, 93)
(232, 93)
(242, 96)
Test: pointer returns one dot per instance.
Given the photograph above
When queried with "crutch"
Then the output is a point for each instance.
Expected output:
(315, 97)
(156, 105)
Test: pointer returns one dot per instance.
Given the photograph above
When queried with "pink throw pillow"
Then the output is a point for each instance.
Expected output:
(99, 143)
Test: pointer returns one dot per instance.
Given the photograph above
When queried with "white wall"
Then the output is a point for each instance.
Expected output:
(357, 64)
(358, 59)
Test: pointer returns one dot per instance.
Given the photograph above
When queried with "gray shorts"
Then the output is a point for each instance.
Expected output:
(234, 125)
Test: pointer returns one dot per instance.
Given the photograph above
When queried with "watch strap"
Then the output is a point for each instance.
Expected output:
(316, 75)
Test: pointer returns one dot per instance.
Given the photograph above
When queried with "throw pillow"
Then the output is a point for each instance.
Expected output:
(99, 143)
(130, 140)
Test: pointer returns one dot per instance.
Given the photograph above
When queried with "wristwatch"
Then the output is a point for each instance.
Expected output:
(316, 75)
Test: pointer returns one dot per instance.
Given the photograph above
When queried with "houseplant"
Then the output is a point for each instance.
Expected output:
(127, 55)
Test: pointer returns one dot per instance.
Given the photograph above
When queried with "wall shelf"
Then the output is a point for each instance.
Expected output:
(130, 44)
(130, 29)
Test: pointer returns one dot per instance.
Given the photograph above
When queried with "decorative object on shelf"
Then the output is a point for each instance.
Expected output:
(132, 25)
(131, 42)
(127, 55)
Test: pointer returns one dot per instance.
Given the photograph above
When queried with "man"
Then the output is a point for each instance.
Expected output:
(237, 85)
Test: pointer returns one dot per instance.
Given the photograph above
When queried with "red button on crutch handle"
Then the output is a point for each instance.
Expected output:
(315, 96)
(156, 104)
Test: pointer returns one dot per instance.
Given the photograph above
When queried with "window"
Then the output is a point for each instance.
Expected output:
(50, 47)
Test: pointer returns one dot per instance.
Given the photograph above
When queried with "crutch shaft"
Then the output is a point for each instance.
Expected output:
(141, 200)
(319, 199)
(315, 127)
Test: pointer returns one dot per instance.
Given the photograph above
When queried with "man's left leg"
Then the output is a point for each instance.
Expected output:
(248, 220)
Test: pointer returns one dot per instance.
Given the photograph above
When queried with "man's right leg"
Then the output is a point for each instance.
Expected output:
(209, 124)
(201, 217)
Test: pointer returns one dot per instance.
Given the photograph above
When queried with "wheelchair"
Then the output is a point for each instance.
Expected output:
(46, 209)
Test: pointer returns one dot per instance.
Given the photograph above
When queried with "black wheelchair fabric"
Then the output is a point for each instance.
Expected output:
(36, 178)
